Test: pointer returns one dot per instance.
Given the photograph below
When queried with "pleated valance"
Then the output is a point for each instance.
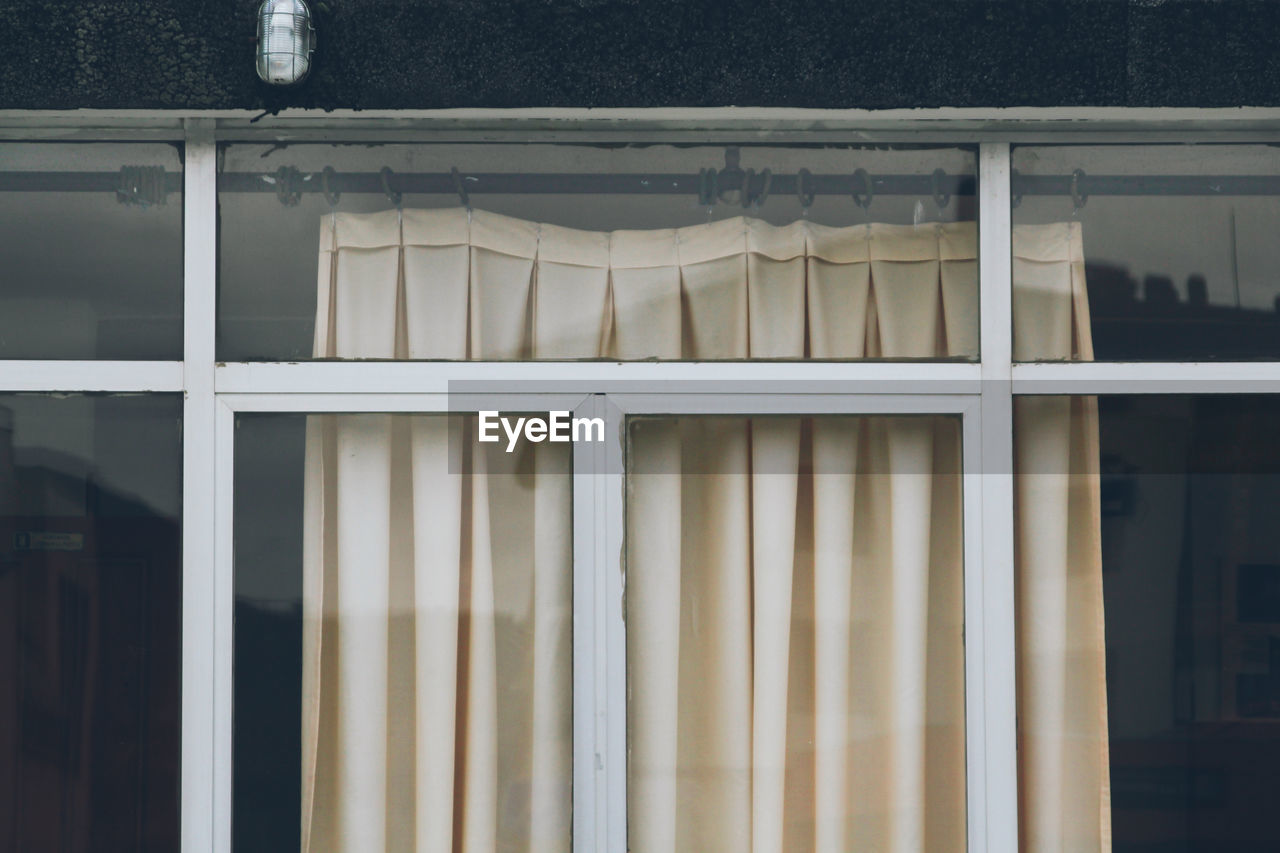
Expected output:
(458, 284)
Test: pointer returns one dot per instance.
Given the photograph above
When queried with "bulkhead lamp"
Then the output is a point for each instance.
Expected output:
(286, 40)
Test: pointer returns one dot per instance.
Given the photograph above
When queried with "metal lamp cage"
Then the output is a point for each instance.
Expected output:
(286, 41)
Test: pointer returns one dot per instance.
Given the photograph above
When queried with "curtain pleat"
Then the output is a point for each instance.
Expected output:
(552, 751)
(437, 525)
(714, 810)
(654, 534)
(794, 586)
(479, 706)
(318, 566)
(644, 279)
(775, 451)
(910, 445)
(436, 277)
(502, 261)
(364, 550)
(837, 302)
(835, 452)
(775, 286)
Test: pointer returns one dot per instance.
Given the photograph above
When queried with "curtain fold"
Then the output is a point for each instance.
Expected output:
(818, 655)
(794, 585)
(1064, 768)
(438, 540)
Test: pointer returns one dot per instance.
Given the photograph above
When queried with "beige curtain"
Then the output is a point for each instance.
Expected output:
(437, 598)
(754, 724)
(794, 595)
(795, 635)
(1063, 766)
(437, 612)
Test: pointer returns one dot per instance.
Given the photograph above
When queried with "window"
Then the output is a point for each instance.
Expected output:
(90, 628)
(557, 252)
(655, 279)
(906, 533)
(92, 251)
(403, 622)
(1177, 246)
(1187, 558)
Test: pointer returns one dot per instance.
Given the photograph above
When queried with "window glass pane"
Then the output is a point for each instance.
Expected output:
(597, 252)
(1173, 251)
(795, 634)
(91, 251)
(90, 622)
(1156, 513)
(403, 649)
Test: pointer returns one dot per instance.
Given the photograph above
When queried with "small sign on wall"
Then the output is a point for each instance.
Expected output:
(44, 540)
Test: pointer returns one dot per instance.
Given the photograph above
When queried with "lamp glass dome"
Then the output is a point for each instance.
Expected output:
(286, 40)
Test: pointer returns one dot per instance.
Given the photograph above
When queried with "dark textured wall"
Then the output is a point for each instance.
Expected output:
(382, 54)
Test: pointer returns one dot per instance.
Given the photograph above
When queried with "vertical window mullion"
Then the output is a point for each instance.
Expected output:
(585, 703)
(610, 482)
(599, 650)
(989, 587)
(206, 710)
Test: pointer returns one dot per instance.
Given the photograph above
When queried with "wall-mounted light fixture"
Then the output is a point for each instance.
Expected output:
(286, 40)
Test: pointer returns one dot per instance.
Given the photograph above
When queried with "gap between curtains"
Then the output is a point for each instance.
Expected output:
(405, 588)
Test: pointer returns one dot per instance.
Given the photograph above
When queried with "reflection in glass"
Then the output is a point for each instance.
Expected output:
(403, 627)
(585, 252)
(1179, 245)
(1190, 489)
(90, 627)
(795, 634)
(91, 250)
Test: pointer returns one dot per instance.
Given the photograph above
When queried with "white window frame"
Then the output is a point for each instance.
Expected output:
(599, 630)
(980, 393)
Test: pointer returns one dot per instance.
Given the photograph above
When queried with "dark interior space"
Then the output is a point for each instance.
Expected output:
(90, 623)
(1191, 571)
(267, 737)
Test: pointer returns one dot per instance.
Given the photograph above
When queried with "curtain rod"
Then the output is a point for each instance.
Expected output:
(512, 183)
(779, 185)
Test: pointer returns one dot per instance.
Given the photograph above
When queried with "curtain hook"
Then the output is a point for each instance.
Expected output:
(396, 198)
(462, 190)
(1078, 199)
(766, 178)
(1015, 199)
(863, 199)
(804, 192)
(328, 177)
(732, 157)
(708, 189)
(141, 185)
(287, 190)
(940, 198)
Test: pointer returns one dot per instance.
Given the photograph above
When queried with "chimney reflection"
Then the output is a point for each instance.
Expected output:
(1151, 320)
